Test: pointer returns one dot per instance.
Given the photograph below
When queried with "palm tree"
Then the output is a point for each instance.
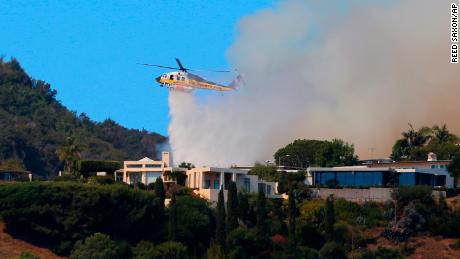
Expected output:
(417, 138)
(69, 153)
(442, 134)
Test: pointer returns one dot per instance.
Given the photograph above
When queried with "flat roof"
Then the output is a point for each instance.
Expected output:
(349, 169)
(218, 170)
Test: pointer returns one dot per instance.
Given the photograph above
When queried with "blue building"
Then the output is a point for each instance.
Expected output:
(364, 176)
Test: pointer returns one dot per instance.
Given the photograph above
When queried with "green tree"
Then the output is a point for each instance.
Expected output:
(195, 221)
(332, 250)
(167, 250)
(442, 134)
(232, 207)
(172, 219)
(261, 217)
(160, 190)
(292, 211)
(267, 173)
(144, 250)
(400, 150)
(220, 220)
(243, 206)
(242, 243)
(97, 246)
(282, 183)
(454, 166)
(186, 165)
(171, 250)
(70, 153)
(303, 152)
(330, 218)
(416, 144)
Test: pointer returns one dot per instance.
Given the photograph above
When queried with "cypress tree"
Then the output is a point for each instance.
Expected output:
(243, 206)
(220, 221)
(232, 207)
(172, 226)
(330, 218)
(161, 194)
(292, 215)
(160, 190)
(282, 183)
(261, 216)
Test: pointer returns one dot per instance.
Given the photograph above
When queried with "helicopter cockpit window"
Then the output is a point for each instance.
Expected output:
(171, 77)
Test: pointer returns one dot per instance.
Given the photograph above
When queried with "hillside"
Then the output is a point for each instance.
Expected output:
(33, 125)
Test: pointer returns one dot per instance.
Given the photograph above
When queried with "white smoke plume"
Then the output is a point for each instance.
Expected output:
(317, 70)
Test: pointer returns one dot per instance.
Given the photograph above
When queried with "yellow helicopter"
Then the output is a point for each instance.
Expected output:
(182, 80)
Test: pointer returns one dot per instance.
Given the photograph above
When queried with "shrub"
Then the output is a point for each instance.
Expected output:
(242, 244)
(308, 253)
(332, 250)
(381, 253)
(67, 178)
(97, 246)
(309, 208)
(100, 180)
(419, 193)
(215, 251)
(410, 223)
(340, 232)
(171, 250)
(308, 235)
(144, 249)
(194, 223)
(28, 255)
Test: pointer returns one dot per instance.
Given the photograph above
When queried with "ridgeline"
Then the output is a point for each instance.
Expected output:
(34, 125)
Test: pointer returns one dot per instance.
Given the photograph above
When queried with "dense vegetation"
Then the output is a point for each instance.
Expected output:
(96, 220)
(34, 126)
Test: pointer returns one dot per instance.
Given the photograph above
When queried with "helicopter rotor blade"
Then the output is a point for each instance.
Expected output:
(181, 66)
(209, 70)
(153, 65)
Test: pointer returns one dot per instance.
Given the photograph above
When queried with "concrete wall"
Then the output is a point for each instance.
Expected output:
(363, 195)
(355, 195)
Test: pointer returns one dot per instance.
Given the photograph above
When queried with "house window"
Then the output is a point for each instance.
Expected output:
(216, 184)
(134, 166)
(152, 176)
(119, 177)
(153, 165)
(135, 178)
(269, 190)
(247, 184)
(207, 184)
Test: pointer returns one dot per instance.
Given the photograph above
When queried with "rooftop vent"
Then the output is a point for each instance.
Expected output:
(432, 157)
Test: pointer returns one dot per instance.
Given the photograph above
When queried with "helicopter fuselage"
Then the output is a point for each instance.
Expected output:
(183, 81)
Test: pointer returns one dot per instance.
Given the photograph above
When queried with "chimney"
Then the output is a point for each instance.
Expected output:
(165, 158)
(432, 157)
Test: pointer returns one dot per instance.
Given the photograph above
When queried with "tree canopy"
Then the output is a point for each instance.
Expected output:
(303, 152)
(416, 144)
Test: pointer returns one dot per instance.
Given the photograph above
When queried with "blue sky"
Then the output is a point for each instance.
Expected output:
(88, 50)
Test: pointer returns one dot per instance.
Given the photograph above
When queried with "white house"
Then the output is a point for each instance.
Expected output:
(207, 182)
(146, 170)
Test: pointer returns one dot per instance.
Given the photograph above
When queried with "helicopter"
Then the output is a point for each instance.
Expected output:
(182, 80)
